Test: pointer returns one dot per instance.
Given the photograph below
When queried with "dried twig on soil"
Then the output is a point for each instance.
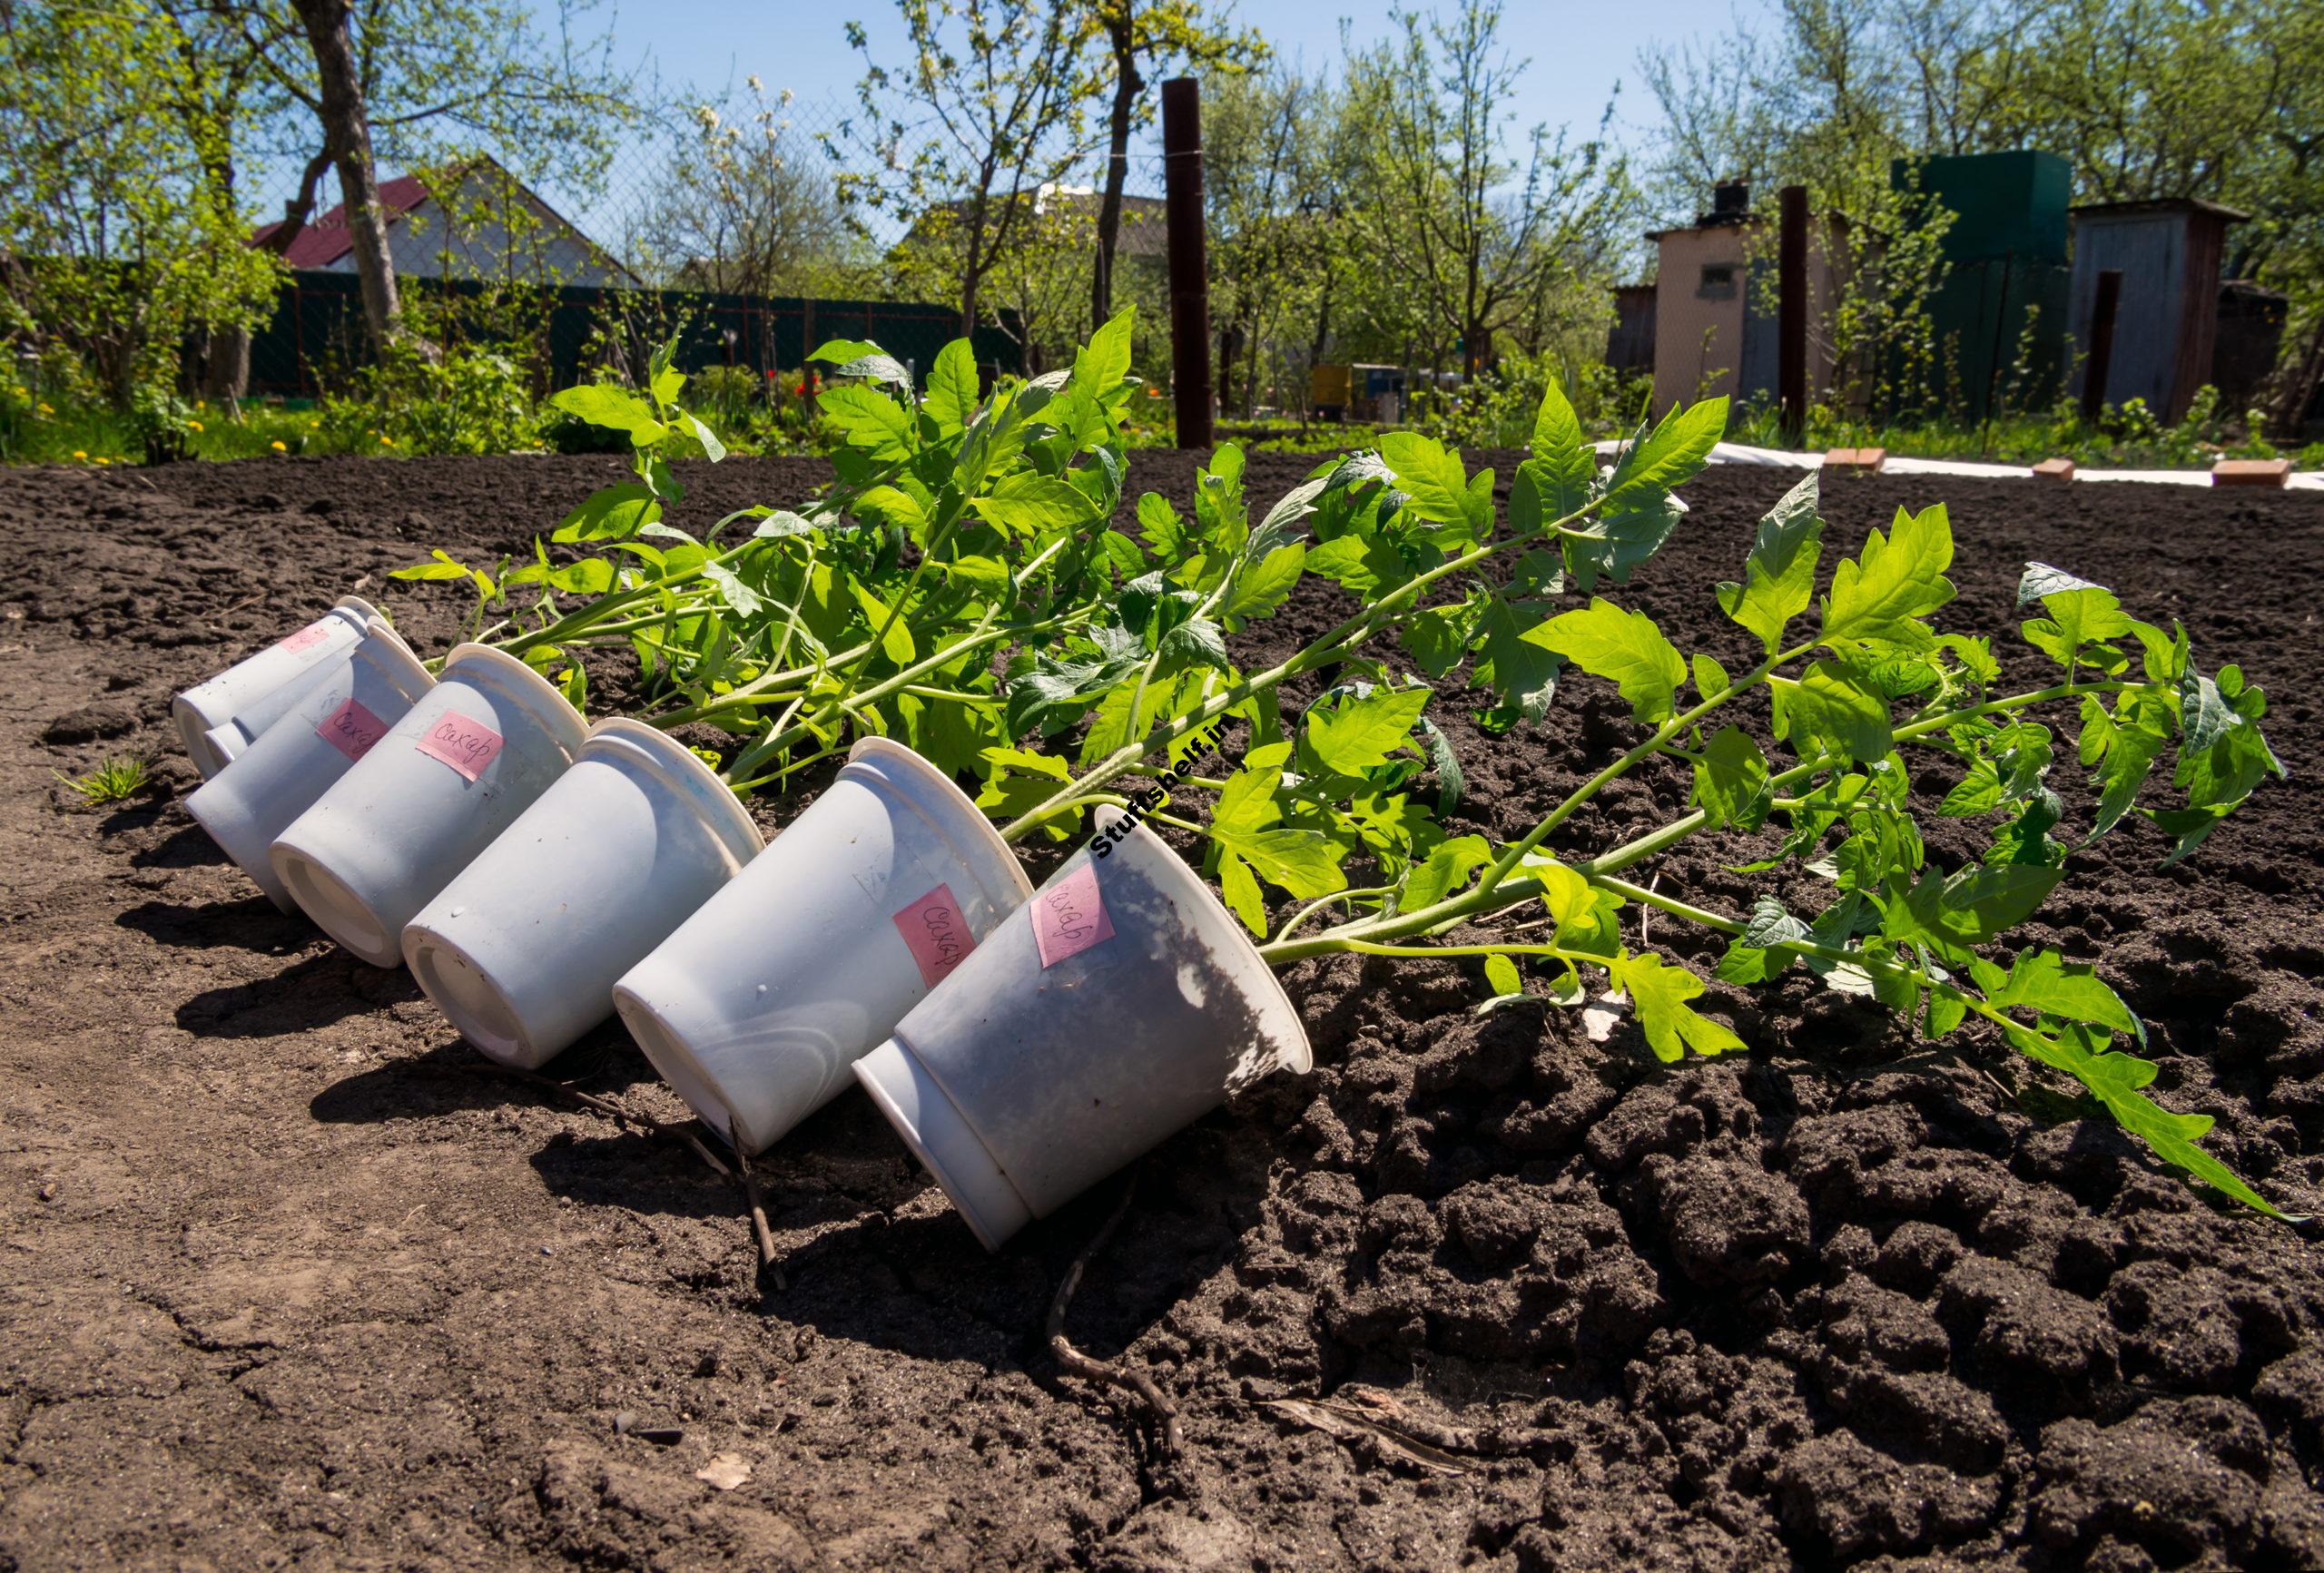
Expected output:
(614, 1111)
(1165, 1413)
(758, 1220)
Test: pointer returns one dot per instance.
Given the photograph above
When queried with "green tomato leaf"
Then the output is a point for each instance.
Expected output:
(1779, 576)
(953, 387)
(1027, 504)
(1500, 973)
(1562, 467)
(1899, 579)
(868, 419)
(1356, 734)
(1731, 781)
(1669, 457)
(1623, 646)
(1436, 486)
(1262, 586)
(1828, 712)
(2046, 982)
(1660, 994)
(614, 409)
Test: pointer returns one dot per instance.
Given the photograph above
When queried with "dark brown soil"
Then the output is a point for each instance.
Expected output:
(288, 1280)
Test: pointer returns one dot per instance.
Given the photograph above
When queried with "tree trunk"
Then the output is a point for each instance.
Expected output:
(1127, 85)
(226, 371)
(348, 134)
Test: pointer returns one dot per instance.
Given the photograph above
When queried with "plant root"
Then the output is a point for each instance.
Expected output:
(1165, 1413)
(767, 1263)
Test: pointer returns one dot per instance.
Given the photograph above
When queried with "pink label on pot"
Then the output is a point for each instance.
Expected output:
(307, 638)
(936, 933)
(468, 746)
(1069, 917)
(352, 729)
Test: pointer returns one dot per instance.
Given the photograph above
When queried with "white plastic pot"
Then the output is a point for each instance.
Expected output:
(221, 717)
(341, 717)
(1118, 1005)
(523, 949)
(755, 1009)
(472, 755)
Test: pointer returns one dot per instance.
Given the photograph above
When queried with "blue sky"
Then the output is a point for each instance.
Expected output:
(1578, 53)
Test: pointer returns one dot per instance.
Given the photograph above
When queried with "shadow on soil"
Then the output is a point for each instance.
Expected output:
(309, 994)
(249, 923)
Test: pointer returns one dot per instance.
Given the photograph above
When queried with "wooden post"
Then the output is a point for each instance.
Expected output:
(2101, 343)
(1182, 202)
(1791, 314)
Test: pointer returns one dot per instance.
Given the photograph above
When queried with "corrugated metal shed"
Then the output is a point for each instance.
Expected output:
(2169, 254)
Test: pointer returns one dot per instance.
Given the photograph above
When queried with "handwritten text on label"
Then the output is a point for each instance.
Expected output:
(352, 729)
(936, 934)
(1069, 915)
(468, 746)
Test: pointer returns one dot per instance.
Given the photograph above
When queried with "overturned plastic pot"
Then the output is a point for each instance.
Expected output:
(1118, 1005)
(757, 1005)
(522, 950)
(339, 717)
(472, 755)
(219, 718)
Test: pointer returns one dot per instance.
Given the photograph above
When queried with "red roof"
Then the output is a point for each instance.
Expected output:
(325, 240)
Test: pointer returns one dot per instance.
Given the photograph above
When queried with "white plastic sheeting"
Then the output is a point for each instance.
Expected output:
(1778, 458)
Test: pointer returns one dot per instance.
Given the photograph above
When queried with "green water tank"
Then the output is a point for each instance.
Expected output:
(2000, 315)
(2004, 204)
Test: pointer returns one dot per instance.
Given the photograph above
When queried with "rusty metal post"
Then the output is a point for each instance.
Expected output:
(2101, 343)
(1791, 315)
(1182, 204)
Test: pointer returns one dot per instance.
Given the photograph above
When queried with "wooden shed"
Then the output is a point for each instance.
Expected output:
(1713, 318)
(2169, 254)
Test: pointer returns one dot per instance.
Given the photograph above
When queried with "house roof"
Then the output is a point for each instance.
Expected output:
(324, 240)
(2159, 205)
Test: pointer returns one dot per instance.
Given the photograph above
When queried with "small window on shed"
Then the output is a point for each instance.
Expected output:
(1718, 283)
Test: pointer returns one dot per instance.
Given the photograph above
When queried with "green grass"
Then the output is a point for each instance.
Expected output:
(117, 780)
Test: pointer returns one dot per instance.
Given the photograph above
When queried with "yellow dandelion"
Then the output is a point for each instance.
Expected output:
(80, 453)
(202, 405)
(314, 426)
(194, 426)
(104, 461)
(45, 408)
(279, 447)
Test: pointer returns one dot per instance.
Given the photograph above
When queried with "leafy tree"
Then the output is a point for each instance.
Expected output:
(1158, 37)
(118, 234)
(1471, 229)
(748, 204)
(993, 106)
(415, 82)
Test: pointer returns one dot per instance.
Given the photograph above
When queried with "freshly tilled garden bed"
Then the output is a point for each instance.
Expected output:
(289, 1275)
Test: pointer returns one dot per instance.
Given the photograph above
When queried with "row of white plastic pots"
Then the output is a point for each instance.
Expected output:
(537, 874)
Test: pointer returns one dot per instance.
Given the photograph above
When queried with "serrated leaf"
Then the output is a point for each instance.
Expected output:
(1659, 995)
(1625, 648)
(1899, 579)
(1779, 576)
(2118, 1080)
(614, 409)
(1669, 457)
(1759, 953)
(610, 514)
(1432, 479)
(1367, 566)
(1447, 869)
(2046, 982)
(1099, 365)
(1356, 734)
(1264, 586)
(1731, 781)
(1562, 467)
(1029, 504)
(868, 419)
(1828, 712)
(1521, 673)
(953, 387)
(1710, 677)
